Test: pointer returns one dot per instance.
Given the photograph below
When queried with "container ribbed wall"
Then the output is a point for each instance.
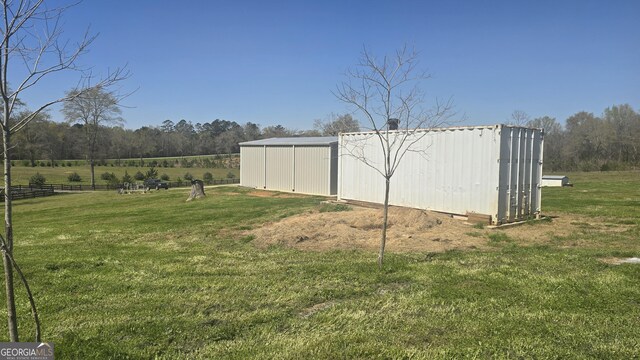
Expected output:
(491, 170)
(333, 172)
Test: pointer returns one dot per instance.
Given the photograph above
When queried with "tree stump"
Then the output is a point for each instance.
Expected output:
(197, 190)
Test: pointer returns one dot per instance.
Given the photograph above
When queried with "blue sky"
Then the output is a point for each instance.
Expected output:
(276, 62)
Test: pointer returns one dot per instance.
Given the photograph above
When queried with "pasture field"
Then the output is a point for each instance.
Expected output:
(59, 175)
(177, 159)
(152, 276)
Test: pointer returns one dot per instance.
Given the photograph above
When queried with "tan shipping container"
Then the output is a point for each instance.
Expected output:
(492, 171)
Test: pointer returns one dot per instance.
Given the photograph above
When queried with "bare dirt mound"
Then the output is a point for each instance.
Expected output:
(360, 228)
(409, 230)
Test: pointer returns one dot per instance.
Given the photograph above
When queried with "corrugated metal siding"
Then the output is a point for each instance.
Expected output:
(303, 169)
(312, 169)
(520, 173)
(453, 171)
(294, 141)
(279, 168)
(333, 172)
(536, 175)
(356, 180)
(252, 167)
(456, 170)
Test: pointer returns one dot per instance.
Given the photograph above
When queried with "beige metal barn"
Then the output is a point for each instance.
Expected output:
(307, 165)
(493, 172)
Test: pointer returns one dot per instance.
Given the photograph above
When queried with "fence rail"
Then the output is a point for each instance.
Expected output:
(23, 192)
(83, 187)
(35, 190)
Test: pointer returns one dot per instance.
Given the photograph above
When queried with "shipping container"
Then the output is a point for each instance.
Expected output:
(490, 171)
(307, 165)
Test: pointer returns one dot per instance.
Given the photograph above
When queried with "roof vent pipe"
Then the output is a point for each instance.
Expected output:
(392, 124)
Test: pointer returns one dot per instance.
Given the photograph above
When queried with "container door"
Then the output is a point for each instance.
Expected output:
(536, 175)
(520, 173)
(514, 148)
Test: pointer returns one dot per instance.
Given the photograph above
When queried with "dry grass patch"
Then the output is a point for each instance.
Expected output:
(620, 261)
(278, 194)
(410, 230)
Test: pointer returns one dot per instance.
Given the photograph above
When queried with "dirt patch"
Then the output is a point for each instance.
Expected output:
(619, 261)
(409, 230)
(316, 308)
(282, 195)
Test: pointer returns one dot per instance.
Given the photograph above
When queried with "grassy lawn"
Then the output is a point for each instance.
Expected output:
(152, 276)
(59, 175)
(615, 195)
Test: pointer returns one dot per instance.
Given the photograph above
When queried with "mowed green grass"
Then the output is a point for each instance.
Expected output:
(152, 276)
(60, 174)
(615, 195)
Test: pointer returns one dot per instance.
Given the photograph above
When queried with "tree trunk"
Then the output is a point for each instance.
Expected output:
(93, 174)
(197, 190)
(385, 219)
(8, 229)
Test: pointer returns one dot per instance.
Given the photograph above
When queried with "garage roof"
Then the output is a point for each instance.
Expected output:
(318, 140)
(553, 177)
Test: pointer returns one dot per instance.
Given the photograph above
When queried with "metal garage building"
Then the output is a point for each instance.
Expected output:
(307, 165)
(492, 171)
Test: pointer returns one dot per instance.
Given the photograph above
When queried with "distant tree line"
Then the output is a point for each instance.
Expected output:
(592, 143)
(52, 141)
(610, 141)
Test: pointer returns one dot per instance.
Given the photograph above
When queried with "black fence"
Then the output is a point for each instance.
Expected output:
(79, 187)
(23, 192)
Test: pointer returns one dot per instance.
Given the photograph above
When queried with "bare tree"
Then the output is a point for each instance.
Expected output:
(30, 141)
(519, 118)
(276, 131)
(93, 108)
(386, 92)
(587, 139)
(31, 50)
(554, 140)
(626, 130)
(337, 124)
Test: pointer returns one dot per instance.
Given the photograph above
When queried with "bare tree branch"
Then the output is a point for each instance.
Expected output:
(31, 49)
(382, 90)
(111, 79)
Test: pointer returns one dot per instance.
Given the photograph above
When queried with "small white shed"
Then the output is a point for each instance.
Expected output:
(555, 180)
(307, 165)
